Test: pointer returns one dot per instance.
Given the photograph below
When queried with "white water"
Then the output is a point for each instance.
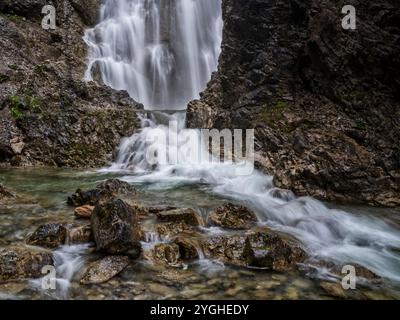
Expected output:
(161, 51)
(121, 51)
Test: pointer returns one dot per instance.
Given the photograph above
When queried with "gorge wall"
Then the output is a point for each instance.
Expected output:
(48, 115)
(324, 101)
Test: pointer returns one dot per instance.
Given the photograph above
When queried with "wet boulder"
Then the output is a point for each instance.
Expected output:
(116, 187)
(116, 228)
(187, 248)
(266, 250)
(90, 197)
(271, 251)
(166, 254)
(84, 212)
(103, 192)
(170, 229)
(80, 234)
(50, 235)
(185, 215)
(105, 269)
(23, 262)
(232, 216)
(282, 194)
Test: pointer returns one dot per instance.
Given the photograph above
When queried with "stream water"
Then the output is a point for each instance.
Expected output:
(43, 193)
(163, 53)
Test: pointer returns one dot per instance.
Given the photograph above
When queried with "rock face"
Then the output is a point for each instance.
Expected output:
(23, 263)
(187, 216)
(232, 216)
(116, 229)
(105, 269)
(254, 249)
(49, 116)
(49, 235)
(323, 101)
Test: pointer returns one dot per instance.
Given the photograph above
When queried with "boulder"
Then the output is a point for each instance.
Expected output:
(90, 197)
(266, 250)
(170, 229)
(166, 254)
(105, 269)
(50, 235)
(81, 234)
(185, 215)
(187, 248)
(282, 194)
(84, 212)
(116, 229)
(18, 263)
(232, 216)
(103, 192)
(116, 187)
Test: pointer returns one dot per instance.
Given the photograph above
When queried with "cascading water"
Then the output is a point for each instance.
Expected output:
(163, 53)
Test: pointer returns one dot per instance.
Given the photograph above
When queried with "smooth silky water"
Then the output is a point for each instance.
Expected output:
(163, 53)
(43, 193)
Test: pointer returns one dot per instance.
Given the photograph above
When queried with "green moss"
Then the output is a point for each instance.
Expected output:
(271, 115)
(19, 104)
(40, 69)
(15, 107)
(13, 66)
(11, 17)
(360, 125)
(4, 78)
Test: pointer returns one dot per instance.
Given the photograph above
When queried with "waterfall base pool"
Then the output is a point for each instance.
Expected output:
(43, 193)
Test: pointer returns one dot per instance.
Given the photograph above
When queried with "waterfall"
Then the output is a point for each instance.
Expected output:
(161, 51)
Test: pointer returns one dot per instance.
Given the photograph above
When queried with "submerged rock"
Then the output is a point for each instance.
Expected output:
(116, 228)
(105, 269)
(103, 192)
(4, 193)
(50, 235)
(186, 215)
(84, 212)
(265, 250)
(232, 216)
(23, 262)
(282, 194)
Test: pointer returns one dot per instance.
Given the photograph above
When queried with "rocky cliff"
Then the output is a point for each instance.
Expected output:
(324, 101)
(48, 115)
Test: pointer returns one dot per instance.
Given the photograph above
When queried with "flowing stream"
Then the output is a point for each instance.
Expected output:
(163, 53)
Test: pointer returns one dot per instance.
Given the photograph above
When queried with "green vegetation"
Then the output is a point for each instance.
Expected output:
(360, 125)
(19, 104)
(12, 17)
(40, 69)
(271, 115)
(4, 78)
(13, 66)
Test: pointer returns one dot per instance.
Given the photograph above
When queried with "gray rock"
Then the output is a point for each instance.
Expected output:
(105, 269)
(232, 216)
(116, 228)
(23, 262)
